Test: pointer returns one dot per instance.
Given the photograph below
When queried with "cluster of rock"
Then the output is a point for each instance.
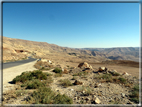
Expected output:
(106, 70)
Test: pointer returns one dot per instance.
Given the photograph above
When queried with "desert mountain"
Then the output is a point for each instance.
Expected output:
(15, 49)
(126, 53)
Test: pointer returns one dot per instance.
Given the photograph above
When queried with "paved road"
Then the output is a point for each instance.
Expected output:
(12, 64)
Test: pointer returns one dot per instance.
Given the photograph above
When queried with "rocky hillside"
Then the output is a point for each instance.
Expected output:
(14, 49)
(17, 49)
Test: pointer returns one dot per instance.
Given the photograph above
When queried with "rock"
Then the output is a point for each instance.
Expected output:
(50, 61)
(96, 100)
(125, 73)
(71, 89)
(123, 95)
(44, 60)
(97, 85)
(77, 82)
(129, 102)
(102, 69)
(87, 98)
(83, 92)
(75, 98)
(85, 64)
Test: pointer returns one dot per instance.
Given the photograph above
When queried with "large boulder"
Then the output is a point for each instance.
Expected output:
(85, 65)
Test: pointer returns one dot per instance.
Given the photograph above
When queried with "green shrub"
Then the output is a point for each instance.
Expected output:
(80, 74)
(20, 92)
(134, 96)
(47, 74)
(62, 99)
(87, 90)
(106, 76)
(122, 80)
(34, 84)
(25, 76)
(65, 82)
(58, 75)
(57, 70)
(115, 74)
(44, 95)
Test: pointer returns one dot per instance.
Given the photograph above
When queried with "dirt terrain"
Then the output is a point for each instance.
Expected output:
(107, 93)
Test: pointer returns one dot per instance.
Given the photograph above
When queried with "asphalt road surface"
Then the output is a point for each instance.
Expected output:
(12, 64)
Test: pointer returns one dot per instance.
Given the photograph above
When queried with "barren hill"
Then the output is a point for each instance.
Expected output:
(16, 49)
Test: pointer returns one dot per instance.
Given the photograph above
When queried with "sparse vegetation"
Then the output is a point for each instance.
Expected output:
(134, 96)
(58, 75)
(25, 76)
(85, 90)
(74, 78)
(65, 82)
(110, 78)
(34, 84)
(44, 95)
(122, 80)
(115, 74)
(80, 73)
(57, 70)
(48, 74)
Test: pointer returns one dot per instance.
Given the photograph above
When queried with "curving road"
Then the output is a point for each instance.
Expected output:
(12, 64)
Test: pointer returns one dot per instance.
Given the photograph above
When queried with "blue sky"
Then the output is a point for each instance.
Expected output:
(75, 25)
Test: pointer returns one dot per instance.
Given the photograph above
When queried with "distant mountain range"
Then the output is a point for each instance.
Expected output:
(120, 53)
(18, 47)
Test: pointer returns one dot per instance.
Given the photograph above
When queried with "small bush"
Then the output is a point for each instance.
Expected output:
(34, 84)
(80, 74)
(25, 76)
(62, 99)
(122, 80)
(87, 90)
(58, 75)
(57, 70)
(65, 82)
(106, 76)
(47, 74)
(134, 96)
(20, 92)
(44, 95)
(116, 74)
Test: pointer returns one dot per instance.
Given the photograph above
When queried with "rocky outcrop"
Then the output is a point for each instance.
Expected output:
(85, 65)
(102, 69)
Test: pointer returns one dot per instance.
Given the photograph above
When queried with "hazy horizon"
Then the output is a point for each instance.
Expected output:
(72, 47)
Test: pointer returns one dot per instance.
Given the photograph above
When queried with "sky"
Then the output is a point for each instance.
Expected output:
(74, 25)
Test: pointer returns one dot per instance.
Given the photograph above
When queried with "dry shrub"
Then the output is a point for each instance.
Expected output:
(66, 71)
